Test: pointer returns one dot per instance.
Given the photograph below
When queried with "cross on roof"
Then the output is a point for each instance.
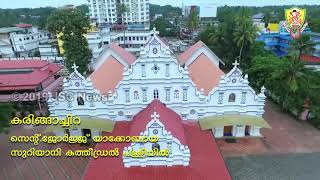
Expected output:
(75, 67)
(236, 63)
(155, 116)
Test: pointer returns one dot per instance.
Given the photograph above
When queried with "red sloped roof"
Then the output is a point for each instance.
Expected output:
(171, 120)
(311, 59)
(41, 70)
(23, 25)
(204, 73)
(130, 58)
(206, 162)
(108, 75)
(183, 58)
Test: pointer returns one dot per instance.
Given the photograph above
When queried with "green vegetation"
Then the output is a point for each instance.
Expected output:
(73, 25)
(193, 21)
(6, 113)
(164, 27)
(167, 11)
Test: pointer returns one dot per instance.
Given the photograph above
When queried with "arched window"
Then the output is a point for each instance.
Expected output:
(232, 97)
(192, 111)
(176, 94)
(135, 95)
(80, 101)
(155, 94)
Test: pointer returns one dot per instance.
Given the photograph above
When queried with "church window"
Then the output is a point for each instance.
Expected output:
(136, 95)
(144, 95)
(143, 70)
(80, 101)
(120, 113)
(155, 50)
(77, 84)
(155, 68)
(156, 94)
(176, 94)
(232, 97)
(243, 97)
(167, 70)
(220, 99)
(127, 95)
(155, 131)
(167, 94)
(192, 111)
(155, 146)
(234, 80)
(185, 95)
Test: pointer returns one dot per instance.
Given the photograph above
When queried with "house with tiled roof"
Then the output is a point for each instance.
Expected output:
(191, 85)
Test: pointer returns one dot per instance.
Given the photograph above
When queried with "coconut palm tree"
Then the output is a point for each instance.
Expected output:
(245, 34)
(303, 45)
(217, 35)
(193, 21)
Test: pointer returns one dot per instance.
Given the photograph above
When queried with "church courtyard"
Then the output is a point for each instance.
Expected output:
(290, 150)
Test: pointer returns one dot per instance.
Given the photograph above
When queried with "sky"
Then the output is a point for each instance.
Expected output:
(58, 3)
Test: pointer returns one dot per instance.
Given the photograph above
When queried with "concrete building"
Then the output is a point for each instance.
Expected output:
(21, 41)
(191, 85)
(105, 11)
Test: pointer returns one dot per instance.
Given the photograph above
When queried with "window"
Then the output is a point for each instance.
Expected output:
(127, 95)
(155, 50)
(120, 113)
(185, 95)
(220, 99)
(167, 94)
(141, 38)
(156, 94)
(129, 38)
(135, 95)
(192, 111)
(167, 70)
(176, 94)
(232, 97)
(243, 97)
(80, 101)
(144, 95)
(143, 70)
(133, 38)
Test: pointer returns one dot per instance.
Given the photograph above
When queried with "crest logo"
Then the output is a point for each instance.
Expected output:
(295, 21)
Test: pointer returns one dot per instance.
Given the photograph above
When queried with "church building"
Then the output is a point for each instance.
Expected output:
(192, 85)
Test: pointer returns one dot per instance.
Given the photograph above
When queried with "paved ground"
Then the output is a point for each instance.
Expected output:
(287, 135)
(275, 167)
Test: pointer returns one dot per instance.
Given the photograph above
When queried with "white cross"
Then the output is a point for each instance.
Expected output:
(155, 116)
(75, 67)
(235, 63)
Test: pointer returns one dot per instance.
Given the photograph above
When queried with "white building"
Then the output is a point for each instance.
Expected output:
(105, 11)
(193, 86)
(24, 40)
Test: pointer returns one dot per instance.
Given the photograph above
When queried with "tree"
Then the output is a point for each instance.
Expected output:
(303, 45)
(245, 32)
(73, 26)
(193, 21)
(6, 112)
(121, 9)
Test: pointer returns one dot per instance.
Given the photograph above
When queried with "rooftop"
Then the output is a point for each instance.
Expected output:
(9, 29)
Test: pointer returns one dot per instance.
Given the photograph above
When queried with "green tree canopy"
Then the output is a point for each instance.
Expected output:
(6, 112)
(73, 26)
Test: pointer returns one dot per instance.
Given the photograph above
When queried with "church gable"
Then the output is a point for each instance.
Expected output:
(155, 47)
(169, 143)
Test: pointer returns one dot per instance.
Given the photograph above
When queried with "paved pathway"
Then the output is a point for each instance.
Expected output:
(275, 167)
(287, 135)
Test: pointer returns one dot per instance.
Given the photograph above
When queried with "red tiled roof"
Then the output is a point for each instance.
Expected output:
(130, 58)
(41, 70)
(204, 73)
(184, 57)
(171, 120)
(206, 162)
(23, 25)
(311, 59)
(108, 75)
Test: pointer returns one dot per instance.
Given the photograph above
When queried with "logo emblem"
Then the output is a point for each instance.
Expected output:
(295, 21)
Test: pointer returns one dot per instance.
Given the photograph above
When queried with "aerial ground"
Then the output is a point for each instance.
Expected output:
(290, 150)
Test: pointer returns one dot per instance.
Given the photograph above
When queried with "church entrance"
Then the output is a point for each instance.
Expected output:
(247, 131)
(227, 131)
(86, 132)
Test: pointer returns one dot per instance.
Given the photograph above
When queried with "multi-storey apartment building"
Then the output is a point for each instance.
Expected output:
(107, 11)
